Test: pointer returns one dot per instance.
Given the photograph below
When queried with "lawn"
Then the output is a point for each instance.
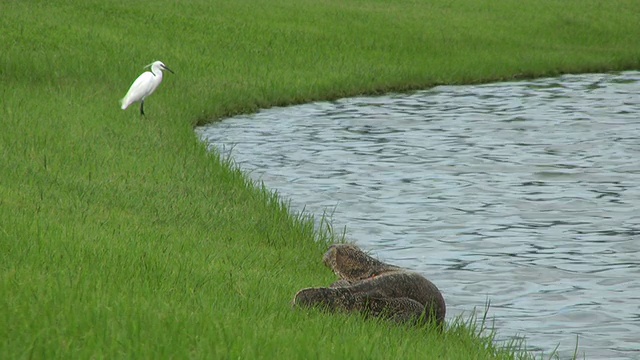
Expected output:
(123, 237)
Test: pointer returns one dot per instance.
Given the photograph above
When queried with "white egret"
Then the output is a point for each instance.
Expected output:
(144, 85)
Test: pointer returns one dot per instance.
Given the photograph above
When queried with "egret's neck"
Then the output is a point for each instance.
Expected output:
(157, 72)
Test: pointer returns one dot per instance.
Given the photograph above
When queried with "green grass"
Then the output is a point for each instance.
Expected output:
(123, 237)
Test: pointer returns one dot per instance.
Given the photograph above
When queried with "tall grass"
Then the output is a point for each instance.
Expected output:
(123, 237)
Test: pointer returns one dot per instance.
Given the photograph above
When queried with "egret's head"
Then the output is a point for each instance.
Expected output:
(158, 66)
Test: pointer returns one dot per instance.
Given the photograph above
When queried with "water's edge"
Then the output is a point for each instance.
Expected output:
(524, 193)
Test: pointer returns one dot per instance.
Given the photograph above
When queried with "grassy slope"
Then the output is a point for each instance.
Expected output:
(121, 236)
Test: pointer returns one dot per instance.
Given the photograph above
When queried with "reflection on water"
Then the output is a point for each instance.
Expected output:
(524, 193)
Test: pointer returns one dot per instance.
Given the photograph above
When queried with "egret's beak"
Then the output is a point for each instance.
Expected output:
(169, 70)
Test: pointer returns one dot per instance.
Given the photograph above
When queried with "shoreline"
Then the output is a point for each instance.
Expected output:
(124, 237)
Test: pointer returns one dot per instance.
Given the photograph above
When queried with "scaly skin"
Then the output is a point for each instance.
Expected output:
(371, 287)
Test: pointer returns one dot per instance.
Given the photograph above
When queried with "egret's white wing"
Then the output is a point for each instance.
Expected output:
(140, 89)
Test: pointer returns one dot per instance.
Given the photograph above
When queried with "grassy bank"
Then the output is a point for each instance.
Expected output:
(122, 237)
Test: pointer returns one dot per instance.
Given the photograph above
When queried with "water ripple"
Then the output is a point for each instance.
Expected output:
(524, 193)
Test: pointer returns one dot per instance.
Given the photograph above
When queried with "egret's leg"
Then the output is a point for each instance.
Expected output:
(142, 108)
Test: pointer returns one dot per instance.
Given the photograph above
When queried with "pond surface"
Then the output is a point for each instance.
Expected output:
(523, 193)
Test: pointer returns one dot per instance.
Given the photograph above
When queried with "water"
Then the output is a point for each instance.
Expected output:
(523, 193)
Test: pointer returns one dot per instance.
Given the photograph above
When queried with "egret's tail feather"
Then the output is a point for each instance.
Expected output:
(123, 103)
